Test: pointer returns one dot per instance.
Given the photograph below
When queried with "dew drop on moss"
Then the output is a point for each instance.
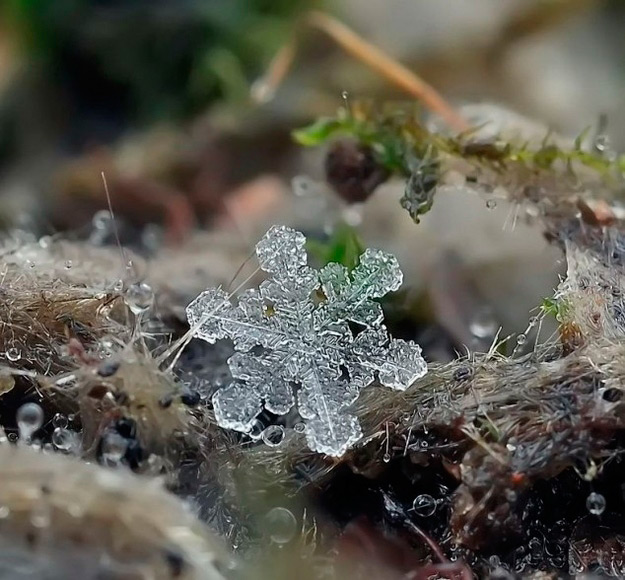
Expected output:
(273, 435)
(63, 439)
(281, 525)
(139, 298)
(424, 505)
(29, 418)
(595, 503)
(13, 354)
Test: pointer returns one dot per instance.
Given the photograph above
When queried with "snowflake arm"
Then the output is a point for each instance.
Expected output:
(295, 344)
(350, 294)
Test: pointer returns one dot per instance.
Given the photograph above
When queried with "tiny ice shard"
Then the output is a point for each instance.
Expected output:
(296, 346)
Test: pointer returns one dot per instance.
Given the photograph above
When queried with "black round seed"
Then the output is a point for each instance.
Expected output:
(190, 398)
(166, 401)
(108, 368)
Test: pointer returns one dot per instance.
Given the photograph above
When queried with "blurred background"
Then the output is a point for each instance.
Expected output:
(156, 94)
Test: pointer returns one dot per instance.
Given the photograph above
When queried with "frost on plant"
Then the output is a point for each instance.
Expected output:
(307, 338)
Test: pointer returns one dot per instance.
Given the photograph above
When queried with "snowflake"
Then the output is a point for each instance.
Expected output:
(306, 338)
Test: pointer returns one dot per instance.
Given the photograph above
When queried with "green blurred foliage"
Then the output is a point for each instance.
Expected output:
(344, 246)
(166, 57)
(404, 146)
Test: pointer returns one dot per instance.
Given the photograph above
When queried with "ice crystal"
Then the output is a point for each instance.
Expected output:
(306, 338)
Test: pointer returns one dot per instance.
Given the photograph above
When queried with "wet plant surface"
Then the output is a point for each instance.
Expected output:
(206, 375)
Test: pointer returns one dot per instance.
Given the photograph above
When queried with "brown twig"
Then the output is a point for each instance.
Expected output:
(365, 52)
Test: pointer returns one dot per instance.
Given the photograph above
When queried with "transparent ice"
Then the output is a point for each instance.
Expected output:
(306, 338)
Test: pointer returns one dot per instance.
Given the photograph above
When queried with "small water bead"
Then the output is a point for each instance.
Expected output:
(532, 211)
(256, 430)
(114, 447)
(533, 321)
(29, 418)
(118, 286)
(45, 242)
(302, 185)
(281, 525)
(352, 215)
(483, 323)
(63, 438)
(13, 354)
(595, 503)
(152, 237)
(40, 514)
(12, 437)
(101, 220)
(521, 339)
(68, 264)
(273, 435)
(59, 420)
(424, 505)
(299, 427)
(139, 298)
(491, 204)
(386, 457)
(131, 271)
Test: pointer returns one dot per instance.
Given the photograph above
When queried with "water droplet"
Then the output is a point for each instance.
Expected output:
(68, 264)
(30, 264)
(491, 204)
(273, 435)
(424, 505)
(483, 323)
(281, 525)
(494, 561)
(118, 286)
(352, 214)
(114, 447)
(101, 220)
(386, 457)
(45, 242)
(595, 503)
(130, 269)
(40, 515)
(152, 237)
(256, 430)
(59, 420)
(63, 438)
(302, 185)
(299, 427)
(521, 339)
(533, 321)
(13, 354)
(29, 418)
(139, 298)
(601, 143)
(12, 437)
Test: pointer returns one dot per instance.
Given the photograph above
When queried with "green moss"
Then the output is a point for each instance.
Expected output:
(403, 146)
(343, 247)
